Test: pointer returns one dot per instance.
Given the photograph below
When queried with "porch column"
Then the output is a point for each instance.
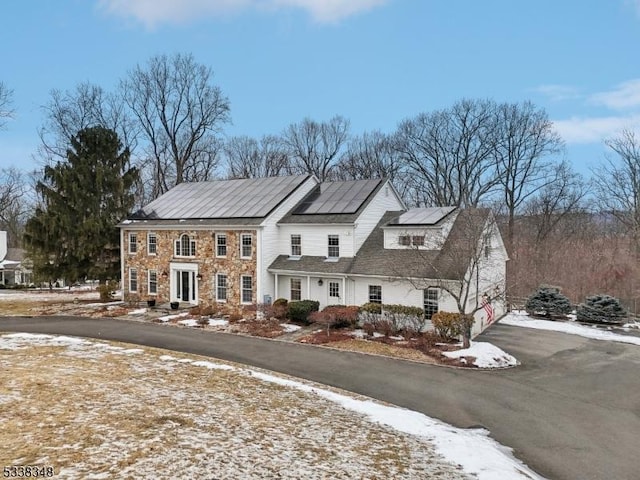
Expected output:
(344, 290)
(275, 290)
(308, 286)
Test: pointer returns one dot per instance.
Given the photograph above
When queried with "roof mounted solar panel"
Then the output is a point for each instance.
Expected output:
(338, 197)
(422, 216)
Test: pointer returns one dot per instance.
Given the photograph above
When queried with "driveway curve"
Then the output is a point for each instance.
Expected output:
(571, 411)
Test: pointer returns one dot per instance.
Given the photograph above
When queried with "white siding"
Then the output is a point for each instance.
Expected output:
(268, 243)
(311, 290)
(315, 239)
(434, 237)
(384, 201)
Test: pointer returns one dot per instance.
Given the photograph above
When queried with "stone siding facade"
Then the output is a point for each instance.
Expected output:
(206, 261)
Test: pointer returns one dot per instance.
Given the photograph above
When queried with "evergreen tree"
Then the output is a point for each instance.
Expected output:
(73, 233)
(601, 309)
(548, 301)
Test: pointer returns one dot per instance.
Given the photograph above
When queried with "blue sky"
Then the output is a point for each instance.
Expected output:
(375, 62)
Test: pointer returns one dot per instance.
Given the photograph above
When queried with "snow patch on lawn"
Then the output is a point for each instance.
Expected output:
(218, 322)
(290, 328)
(168, 318)
(473, 449)
(486, 355)
(189, 322)
(520, 320)
(138, 311)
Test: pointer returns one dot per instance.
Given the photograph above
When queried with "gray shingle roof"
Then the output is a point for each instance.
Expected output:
(221, 199)
(334, 202)
(450, 262)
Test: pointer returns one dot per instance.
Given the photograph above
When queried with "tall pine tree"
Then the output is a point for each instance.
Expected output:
(73, 234)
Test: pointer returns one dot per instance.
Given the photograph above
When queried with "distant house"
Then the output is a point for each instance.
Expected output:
(14, 270)
(247, 241)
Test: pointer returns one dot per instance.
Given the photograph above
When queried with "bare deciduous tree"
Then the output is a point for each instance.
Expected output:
(314, 147)
(6, 101)
(248, 158)
(524, 137)
(180, 113)
(13, 204)
(617, 183)
(450, 153)
(88, 105)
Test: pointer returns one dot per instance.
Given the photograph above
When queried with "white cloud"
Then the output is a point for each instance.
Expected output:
(593, 129)
(558, 92)
(623, 96)
(154, 12)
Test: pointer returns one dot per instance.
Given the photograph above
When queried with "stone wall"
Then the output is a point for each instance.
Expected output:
(208, 264)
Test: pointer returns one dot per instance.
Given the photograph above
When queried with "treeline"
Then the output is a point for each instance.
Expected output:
(170, 116)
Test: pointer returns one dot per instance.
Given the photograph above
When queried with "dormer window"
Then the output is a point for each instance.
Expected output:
(185, 246)
(418, 240)
(411, 240)
(334, 246)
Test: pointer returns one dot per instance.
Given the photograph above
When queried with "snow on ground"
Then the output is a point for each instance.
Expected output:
(137, 311)
(290, 328)
(238, 422)
(189, 322)
(218, 322)
(50, 295)
(486, 355)
(168, 318)
(519, 319)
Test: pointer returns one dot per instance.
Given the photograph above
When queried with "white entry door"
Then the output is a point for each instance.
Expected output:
(333, 292)
(184, 283)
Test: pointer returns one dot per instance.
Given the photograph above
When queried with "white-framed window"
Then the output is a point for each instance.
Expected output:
(334, 289)
(133, 280)
(152, 282)
(417, 240)
(334, 246)
(431, 296)
(185, 246)
(375, 294)
(221, 287)
(296, 245)
(246, 285)
(133, 242)
(404, 240)
(221, 244)
(246, 245)
(296, 289)
(152, 243)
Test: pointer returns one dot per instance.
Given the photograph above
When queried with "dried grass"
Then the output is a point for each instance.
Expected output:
(89, 411)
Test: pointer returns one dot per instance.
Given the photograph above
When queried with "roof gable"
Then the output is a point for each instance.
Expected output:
(250, 198)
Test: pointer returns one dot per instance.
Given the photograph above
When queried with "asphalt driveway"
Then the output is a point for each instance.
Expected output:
(571, 411)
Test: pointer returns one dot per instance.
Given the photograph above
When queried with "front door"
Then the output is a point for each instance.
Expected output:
(185, 285)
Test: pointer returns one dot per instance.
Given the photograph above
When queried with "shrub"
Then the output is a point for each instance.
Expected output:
(447, 324)
(368, 328)
(335, 316)
(601, 309)
(406, 319)
(235, 317)
(299, 311)
(548, 301)
(107, 290)
(279, 309)
(371, 308)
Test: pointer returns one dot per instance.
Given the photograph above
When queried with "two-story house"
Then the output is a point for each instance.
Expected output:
(248, 241)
